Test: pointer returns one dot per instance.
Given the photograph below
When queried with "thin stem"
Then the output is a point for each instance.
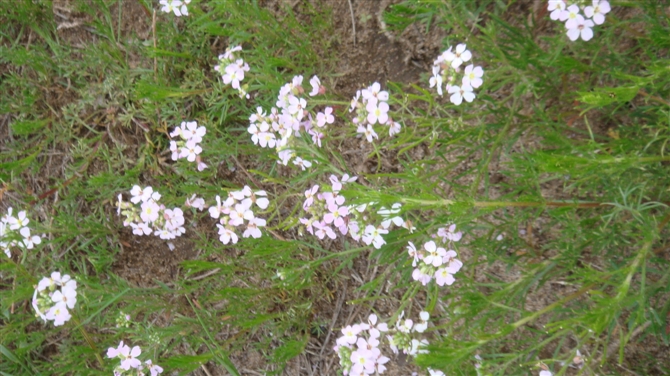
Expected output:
(88, 340)
(503, 204)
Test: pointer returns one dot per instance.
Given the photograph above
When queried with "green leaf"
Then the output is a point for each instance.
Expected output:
(187, 363)
(604, 96)
(27, 127)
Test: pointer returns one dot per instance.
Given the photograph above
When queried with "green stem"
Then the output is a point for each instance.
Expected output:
(504, 204)
(88, 340)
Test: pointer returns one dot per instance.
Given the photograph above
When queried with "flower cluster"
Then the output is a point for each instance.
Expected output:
(358, 347)
(283, 125)
(53, 296)
(434, 261)
(447, 69)
(130, 365)
(14, 232)
(579, 25)
(177, 6)
(232, 70)
(235, 210)
(187, 145)
(372, 109)
(150, 217)
(327, 212)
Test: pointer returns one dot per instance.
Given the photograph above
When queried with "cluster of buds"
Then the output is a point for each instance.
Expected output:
(358, 347)
(188, 143)
(447, 69)
(579, 25)
(130, 364)
(178, 7)
(289, 120)
(327, 212)
(14, 232)
(232, 70)
(53, 296)
(123, 320)
(150, 217)
(373, 109)
(432, 261)
(235, 210)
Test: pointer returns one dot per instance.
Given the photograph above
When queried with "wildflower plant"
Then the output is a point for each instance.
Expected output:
(237, 211)
(130, 363)
(232, 70)
(360, 346)
(448, 68)
(147, 217)
(187, 146)
(373, 110)
(579, 17)
(288, 125)
(14, 232)
(53, 297)
(178, 7)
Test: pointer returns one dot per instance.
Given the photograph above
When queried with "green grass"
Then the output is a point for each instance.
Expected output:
(555, 123)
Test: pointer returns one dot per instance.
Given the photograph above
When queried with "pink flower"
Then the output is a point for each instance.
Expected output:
(234, 74)
(323, 230)
(129, 357)
(442, 277)
(114, 352)
(325, 117)
(309, 194)
(155, 369)
(336, 215)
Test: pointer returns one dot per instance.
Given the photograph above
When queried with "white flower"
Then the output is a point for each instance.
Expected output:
(597, 11)
(253, 228)
(556, 7)
(460, 93)
(29, 241)
(459, 56)
(368, 131)
(226, 235)
(59, 314)
(436, 79)
(234, 74)
(570, 16)
(195, 202)
(423, 325)
(582, 28)
(316, 86)
(67, 295)
(150, 211)
(302, 163)
(473, 76)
